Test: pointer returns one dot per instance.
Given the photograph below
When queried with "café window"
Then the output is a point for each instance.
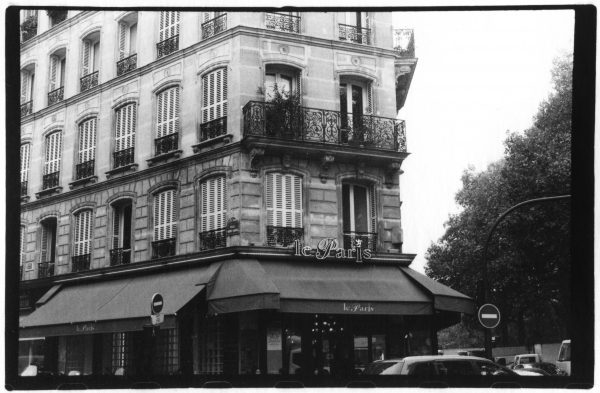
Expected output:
(359, 215)
(284, 208)
(211, 346)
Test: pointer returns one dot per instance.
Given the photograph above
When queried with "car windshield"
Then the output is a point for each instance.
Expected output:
(378, 367)
(565, 353)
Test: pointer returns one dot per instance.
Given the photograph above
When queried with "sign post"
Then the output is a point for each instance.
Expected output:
(489, 316)
(156, 306)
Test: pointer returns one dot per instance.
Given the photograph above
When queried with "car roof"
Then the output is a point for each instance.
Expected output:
(528, 354)
(439, 357)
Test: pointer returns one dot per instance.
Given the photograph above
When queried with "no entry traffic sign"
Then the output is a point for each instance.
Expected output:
(157, 303)
(489, 316)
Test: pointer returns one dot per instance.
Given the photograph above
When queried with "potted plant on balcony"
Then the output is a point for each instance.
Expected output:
(29, 28)
(283, 114)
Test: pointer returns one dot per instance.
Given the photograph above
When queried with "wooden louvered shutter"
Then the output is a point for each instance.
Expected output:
(25, 153)
(125, 124)
(168, 112)
(284, 200)
(369, 107)
(116, 227)
(53, 73)
(169, 25)
(83, 226)
(44, 243)
(214, 97)
(165, 225)
(123, 33)
(206, 16)
(53, 153)
(85, 60)
(214, 204)
(372, 209)
(22, 246)
(87, 141)
(25, 88)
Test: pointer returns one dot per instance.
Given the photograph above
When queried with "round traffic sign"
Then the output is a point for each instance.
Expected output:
(157, 303)
(489, 316)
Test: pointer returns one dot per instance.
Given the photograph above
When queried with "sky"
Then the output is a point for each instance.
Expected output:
(479, 75)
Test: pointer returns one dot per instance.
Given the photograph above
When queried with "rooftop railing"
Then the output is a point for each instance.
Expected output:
(214, 26)
(282, 22)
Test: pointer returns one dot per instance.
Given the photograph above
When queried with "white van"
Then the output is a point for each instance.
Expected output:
(564, 357)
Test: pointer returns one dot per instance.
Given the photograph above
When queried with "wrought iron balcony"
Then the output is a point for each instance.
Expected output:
(27, 108)
(359, 35)
(217, 238)
(45, 269)
(367, 240)
(214, 26)
(324, 126)
(123, 157)
(167, 46)
(404, 42)
(84, 170)
(89, 81)
(166, 143)
(50, 180)
(56, 95)
(127, 64)
(24, 188)
(213, 129)
(80, 263)
(282, 22)
(163, 248)
(119, 256)
(283, 236)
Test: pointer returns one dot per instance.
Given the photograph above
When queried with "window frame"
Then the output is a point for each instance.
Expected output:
(157, 221)
(210, 106)
(218, 198)
(83, 220)
(162, 124)
(88, 150)
(270, 195)
(371, 206)
(55, 161)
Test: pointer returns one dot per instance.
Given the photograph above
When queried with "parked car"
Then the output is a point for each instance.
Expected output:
(564, 357)
(529, 372)
(447, 365)
(550, 368)
(527, 358)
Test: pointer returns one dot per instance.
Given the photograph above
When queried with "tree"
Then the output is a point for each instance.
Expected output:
(529, 255)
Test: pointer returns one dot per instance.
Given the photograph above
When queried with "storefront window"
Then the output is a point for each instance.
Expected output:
(361, 351)
(292, 358)
(122, 359)
(378, 347)
(31, 357)
(166, 356)
(211, 347)
(75, 355)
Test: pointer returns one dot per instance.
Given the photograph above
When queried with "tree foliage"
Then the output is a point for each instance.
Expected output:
(529, 254)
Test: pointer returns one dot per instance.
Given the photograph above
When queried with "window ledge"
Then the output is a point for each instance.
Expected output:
(129, 168)
(225, 139)
(48, 192)
(82, 182)
(164, 157)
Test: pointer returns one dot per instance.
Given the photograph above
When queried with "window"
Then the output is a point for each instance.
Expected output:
(355, 28)
(213, 213)
(211, 346)
(29, 24)
(165, 224)
(82, 241)
(56, 16)
(122, 353)
(166, 355)
(284, 208)
(356, 100)
(121, 240)
(57, 76)
(213, 23)
(27, 79)
(47, 248)
(21, 251)
(125, 124)
(52, 161)
(168, 33)
(90, 61)
(214, 105)
(127, 44)
(25, 153)
(359, 215)
(87, 149)
(286, 79)
(167, 121)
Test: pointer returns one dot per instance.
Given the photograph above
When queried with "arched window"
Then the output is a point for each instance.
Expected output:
(82, 241)
(285, 78)
(214, 104)
(25, 156)
(213, 213)
(90, 61)
(167, 120)
(52, 160)
(86, 154)
(165, 224)
(283, 194)
(359, 215)
(125, 126)
(168, 33)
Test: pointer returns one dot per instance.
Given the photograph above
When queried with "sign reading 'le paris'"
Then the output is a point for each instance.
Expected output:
(328, 248)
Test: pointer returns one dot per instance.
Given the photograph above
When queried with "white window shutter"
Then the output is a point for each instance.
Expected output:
(25, 153)
(214, 205)
(25, 86)
(214, 97)
(123, 39)
(116, 227)
(168, 112)
(22, 246)
(87, 140)
(44, 243)
(165, 224)
(125, 124)
(369, 109)
(169, 25)
(83, 223)
(85, 62)
(53, 153)
(53, 73)
(284, 200)
(373, 209)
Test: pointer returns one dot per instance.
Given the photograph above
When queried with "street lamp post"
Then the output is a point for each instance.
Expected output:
(486, 295)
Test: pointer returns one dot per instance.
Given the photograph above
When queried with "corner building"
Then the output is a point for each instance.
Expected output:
(243, 165)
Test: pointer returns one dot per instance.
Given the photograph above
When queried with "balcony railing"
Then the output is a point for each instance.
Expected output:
(283, 236)
(84, 170)
(167, 46)
(26, 108)
(367, 240)
(213, 129)
(119, 256)
(283, 22)
(89, 81)
(123, 157)
(166, 143)
(24, 188)
(360, 35)
(163, 248)
(127, 64)
(56, 95)
(324, 126)
(214, 26)
(80, 263)
(45, 269)
(404, 42)
(50, 180)
(209, 240)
